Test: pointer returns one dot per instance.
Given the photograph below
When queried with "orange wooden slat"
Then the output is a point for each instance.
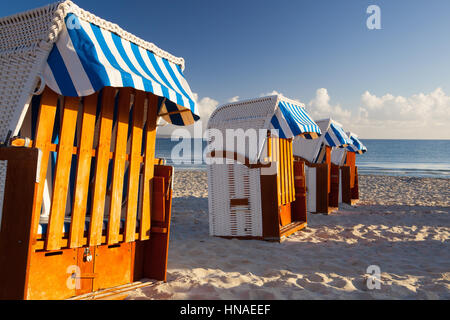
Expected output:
(283, 170)
(43, 141)
(62, 174)
(120, 151)
(83, 171)
(290, 171)
(135, 165)
(101, 166)
(150, 140)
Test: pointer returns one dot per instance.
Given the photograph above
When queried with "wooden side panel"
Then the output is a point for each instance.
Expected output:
(269, 206)
(120, 151)
(135, 165)
(334, 186)
(328, 162)
(17, 218)
(83, 171)
(159, 200)
(62, 174)
(150, 143)
(156, 249)
(43, 141)
(299, 205)
(355, 189)
(321, 188)
(101, 167)
(346, 190)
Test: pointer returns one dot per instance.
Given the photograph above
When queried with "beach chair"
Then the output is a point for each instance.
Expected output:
(256, 189)
(344, 159)
(322, 176)
(85, 204)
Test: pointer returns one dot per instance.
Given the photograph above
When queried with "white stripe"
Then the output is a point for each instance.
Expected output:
(114, 75)
(166, 73)
(185, 99)
(149, 65)
(183, 82)
(138, 84)
(284, 127)
(73, 64)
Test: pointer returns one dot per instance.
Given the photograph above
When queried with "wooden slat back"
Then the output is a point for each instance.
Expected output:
(285, 176)
(101, 166)
(43, 141)
(120, 151)
(149, 158)
(84, 153)
(62, 174)
(135, 165)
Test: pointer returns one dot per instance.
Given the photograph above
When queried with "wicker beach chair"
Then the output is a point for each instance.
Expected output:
(258, 191)
(85, 204)
(322, 176)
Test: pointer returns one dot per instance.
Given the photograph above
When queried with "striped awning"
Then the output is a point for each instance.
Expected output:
(336, 137)
(356, 145)
(292, 120)
(87, 58)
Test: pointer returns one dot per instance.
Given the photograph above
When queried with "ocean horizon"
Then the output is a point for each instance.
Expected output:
(399, 157)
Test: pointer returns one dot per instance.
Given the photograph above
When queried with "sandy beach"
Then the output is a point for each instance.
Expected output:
(401, 225)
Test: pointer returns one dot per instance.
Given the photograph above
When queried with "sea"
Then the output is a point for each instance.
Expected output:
(411, 158)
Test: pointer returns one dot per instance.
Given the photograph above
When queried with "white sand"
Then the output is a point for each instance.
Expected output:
(401, 225)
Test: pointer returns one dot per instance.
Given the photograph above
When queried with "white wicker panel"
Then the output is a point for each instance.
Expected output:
(255, 201)
(234, 181)
(219, 218)
(3, 167)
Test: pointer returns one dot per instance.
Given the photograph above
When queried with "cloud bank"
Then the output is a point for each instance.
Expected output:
(419, 116)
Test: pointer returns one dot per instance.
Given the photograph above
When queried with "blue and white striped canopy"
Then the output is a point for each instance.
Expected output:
(87, 58)
(356, 145)
(336, 137)
(292, 120)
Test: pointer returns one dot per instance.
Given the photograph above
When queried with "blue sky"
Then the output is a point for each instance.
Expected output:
(248, 48)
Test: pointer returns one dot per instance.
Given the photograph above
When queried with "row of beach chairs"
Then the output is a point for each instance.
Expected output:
(84, 203)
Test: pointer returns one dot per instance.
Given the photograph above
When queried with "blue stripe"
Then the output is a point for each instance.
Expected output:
(126, 77)
(119, 46)
(92, 66)
(158, 70)
(276, 124)
(60, 73)
(329, 140)
(175, 80)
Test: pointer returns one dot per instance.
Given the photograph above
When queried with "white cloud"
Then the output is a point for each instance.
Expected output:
(234, 99)
(420, 116)
(320, 107)
(390, 117)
